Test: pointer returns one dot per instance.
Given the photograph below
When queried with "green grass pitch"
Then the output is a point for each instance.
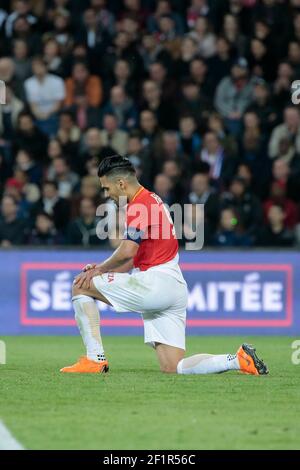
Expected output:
(137, 407)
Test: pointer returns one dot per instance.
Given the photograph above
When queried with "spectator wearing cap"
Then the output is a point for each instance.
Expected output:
(234, 94)
(12, 228)
(45, 94)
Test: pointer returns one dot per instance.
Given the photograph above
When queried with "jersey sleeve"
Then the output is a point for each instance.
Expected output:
(138, 220)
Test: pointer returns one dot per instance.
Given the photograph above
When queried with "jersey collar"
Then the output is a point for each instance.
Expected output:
(137, 194)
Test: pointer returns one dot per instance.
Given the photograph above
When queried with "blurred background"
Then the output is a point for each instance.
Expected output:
(197, 94)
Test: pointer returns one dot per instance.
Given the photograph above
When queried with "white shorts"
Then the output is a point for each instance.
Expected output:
(158, 297)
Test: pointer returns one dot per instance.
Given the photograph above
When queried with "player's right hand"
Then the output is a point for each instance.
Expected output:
(88, 267)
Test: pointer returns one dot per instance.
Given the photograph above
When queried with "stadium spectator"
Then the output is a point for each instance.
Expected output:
(201, 192)
(12, 227)
(221, 166)
(289, 207)
(230, 231)
(66, 179)
(54, 205)
(289, 129)
(44, 232)
(82, 84)
(234, 94)
(275, 234)
(113, 137)
(123, 108)
(29, 137)
(45, 93)
(22, 61)
(246, 205)
(83, 230)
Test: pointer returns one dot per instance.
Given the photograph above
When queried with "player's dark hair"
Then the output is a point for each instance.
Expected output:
(115, 165)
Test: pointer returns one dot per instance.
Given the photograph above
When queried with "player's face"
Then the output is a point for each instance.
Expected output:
(112, 189)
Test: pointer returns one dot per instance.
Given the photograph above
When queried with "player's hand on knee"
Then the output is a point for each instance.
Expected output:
(84, 279)
(80, 280)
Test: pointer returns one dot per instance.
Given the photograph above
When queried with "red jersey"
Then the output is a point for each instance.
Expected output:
(149, 223)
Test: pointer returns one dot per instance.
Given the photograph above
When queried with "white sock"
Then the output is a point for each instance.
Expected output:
(88, 321)
(208, 364)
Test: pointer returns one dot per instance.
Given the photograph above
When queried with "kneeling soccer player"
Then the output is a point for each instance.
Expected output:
(155, 288)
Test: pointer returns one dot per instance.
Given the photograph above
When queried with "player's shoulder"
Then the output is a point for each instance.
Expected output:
(150, 197)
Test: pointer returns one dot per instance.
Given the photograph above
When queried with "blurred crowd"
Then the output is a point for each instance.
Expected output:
(197, 94)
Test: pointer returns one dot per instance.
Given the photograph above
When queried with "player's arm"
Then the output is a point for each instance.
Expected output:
(124, 254)
(122, 257)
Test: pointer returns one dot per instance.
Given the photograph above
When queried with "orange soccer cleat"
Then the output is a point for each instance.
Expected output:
(249, 362)
(87, 366)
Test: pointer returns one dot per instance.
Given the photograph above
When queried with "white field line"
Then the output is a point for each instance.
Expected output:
(7, 440)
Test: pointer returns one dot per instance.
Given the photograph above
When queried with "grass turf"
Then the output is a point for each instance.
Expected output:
(137, 407)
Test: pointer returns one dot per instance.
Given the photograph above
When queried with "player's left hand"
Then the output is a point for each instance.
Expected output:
(84, 279)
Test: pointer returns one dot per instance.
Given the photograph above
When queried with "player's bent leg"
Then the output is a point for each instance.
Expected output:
(91, 292)
(168, 357)
(88, 320)
(245, 360)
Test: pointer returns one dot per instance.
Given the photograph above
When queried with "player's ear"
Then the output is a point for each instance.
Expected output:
(122, 184)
